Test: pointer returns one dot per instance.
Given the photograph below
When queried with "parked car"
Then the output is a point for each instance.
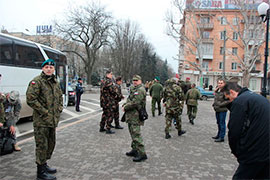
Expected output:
(206, 94)
(71, 96)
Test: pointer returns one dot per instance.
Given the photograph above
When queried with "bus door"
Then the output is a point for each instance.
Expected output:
(61, 73)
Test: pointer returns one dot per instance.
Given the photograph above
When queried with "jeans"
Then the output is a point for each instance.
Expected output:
(221, 121)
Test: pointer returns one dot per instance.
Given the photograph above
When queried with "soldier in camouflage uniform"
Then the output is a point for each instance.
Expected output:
(2, 112)
(192, 102)
(156, 92)
(107, 102)
(135, 101)
(12, 107)
(117, 99)
(44, 95)
(172, 97)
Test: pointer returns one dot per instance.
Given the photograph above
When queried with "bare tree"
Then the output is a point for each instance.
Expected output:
(89, 25)
(184, 26)
(125, 48)
(250, 30)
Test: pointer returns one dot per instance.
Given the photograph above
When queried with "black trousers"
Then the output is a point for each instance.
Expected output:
(252, 171)
(78, 101)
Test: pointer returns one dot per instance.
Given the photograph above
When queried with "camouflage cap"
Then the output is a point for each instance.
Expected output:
(14, 95)
(136, 78)
(48, 62)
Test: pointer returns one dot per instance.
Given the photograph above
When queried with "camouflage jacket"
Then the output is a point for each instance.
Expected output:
(119, 95)
(156, 90)
(107, 94)
(192, 97)
(12, 111)
(172, 97)
(2, 112)
(135, 100)
(44, 95)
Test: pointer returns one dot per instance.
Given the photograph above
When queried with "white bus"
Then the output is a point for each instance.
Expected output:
(20, 62)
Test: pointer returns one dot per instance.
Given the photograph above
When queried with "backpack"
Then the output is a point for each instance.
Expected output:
(6, 141)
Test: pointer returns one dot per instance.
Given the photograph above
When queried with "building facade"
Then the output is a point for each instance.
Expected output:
(219, 39)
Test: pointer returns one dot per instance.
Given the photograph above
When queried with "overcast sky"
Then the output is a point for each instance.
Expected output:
(18, 15)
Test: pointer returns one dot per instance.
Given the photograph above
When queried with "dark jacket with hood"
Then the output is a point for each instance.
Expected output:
(249, 127)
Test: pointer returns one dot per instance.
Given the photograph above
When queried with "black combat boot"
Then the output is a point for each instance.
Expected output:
(108, 131)
(140, 158)
(102, 130)
(118, 127)
(181, 132)
(215, 137)
(111, 126)
(49, 169)
(167, 136)
(132, 153)
(43, 174)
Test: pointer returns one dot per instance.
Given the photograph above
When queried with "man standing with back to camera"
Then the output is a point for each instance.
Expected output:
(248, 131)
(107, 102)
(44, 95)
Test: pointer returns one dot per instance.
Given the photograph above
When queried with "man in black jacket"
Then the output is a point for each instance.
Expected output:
(248, 131)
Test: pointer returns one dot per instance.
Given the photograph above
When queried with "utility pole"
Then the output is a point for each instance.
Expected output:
(224, 54)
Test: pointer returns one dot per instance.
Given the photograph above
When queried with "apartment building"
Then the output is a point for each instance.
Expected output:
(220, 39)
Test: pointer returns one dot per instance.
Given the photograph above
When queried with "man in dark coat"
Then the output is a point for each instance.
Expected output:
(248, 131)
(79, 92)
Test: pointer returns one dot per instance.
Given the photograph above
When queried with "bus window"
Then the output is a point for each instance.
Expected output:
(28, 55)
(6, 51)
(60, 71)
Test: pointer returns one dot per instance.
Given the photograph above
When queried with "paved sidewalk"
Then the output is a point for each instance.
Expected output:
(83, 153)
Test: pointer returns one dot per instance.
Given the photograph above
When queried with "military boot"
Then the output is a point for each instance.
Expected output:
(49, 169)
(118, 127)
(140, 158)
(43, 174)
(108, 131)
(102, 130)
(181, 132)
(167, 136)
(133, 153)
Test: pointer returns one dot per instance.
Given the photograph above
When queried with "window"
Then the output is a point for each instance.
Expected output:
(27, 54)
(235, 36)
(205, 20)
(235, 21)
(205, 65)
(223, 21)
(220, 65)
(207, 49)
(206, 34)
(6, 51)
(234, 51)
(234, 66)
(253, 84)
(221, 50)
(222, 35)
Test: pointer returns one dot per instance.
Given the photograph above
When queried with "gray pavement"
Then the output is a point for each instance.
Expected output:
(83, 153)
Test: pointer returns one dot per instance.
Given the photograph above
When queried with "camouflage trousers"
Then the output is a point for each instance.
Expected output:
(137, 141)
(106, 118)
(116, 115)
(45, 143)
(169, 118)
(154, 102)
(192, 111)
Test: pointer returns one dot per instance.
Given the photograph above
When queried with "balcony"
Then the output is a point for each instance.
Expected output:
(208, 40)
(206, 26)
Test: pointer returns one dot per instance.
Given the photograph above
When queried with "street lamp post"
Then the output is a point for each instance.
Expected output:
(264, 12)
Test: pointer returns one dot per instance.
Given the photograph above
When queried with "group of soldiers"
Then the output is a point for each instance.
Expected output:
(174, 94)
